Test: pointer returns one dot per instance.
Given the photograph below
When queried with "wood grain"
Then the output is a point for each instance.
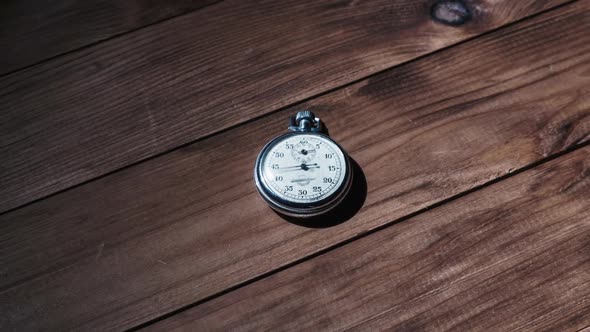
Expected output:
(94, 111)
(35, 30)
(513, 256)
(165, 233)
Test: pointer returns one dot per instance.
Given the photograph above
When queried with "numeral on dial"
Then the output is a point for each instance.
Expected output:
(299, 172)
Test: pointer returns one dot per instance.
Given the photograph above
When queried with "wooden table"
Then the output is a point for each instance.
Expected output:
(129, 130)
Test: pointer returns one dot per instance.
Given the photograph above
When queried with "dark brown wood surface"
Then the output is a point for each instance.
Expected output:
(174, 230)
(90, 112)
(512, 256)
(35, 30)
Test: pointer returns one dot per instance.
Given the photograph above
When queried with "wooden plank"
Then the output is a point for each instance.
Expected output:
(35, 30)
(102, 108)
(513, 256)
(176, 229)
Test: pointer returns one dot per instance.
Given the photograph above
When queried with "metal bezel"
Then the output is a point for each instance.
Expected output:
(302, 210)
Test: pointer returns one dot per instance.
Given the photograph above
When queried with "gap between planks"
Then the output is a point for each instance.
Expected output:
(380, 90)
(339, 279)
(362, 235)
(108, 153)
(92, 42)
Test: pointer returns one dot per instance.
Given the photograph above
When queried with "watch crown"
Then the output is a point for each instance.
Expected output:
(305, 121)
(305, 115)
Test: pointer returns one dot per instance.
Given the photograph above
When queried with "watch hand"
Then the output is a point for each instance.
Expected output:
(305, 152)
(306, 167)
(290, 167)
(297, 169)
(299, 166)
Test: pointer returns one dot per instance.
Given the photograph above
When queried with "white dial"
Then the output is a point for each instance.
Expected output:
(304, 168)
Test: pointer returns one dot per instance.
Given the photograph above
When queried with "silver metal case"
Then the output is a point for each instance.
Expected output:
(301, 210)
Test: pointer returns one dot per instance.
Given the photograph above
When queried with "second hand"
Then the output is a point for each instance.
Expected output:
(304, 167)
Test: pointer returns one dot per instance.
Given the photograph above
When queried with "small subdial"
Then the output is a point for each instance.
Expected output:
(303, 152)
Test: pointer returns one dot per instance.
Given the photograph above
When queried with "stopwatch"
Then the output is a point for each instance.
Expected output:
(303, 173)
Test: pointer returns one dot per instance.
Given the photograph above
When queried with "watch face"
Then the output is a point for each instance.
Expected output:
(303, 168)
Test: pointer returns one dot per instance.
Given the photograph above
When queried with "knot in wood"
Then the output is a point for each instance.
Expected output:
(450, 12)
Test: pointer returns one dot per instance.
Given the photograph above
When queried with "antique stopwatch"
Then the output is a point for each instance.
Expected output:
(303, 173)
